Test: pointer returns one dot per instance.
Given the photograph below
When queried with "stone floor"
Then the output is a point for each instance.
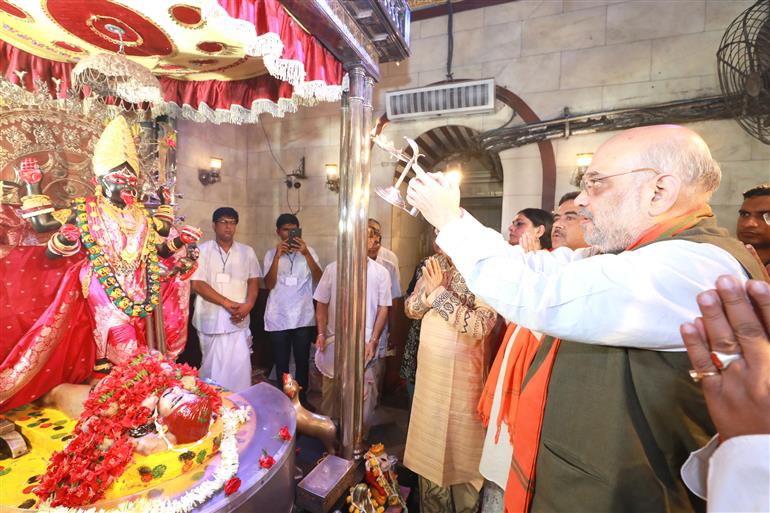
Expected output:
(391, 421)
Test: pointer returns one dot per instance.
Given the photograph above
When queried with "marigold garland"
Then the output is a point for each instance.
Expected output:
(102, 447)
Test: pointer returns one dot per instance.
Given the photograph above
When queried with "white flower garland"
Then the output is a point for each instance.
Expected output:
(232, 418)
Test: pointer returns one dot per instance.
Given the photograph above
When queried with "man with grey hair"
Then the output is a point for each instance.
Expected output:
(606, 407)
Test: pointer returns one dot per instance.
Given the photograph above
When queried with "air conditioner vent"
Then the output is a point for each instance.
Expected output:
(471, 97)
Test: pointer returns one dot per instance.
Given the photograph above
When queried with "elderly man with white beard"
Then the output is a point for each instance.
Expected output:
(607, 412)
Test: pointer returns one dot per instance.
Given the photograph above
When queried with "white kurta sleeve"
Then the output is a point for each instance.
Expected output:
(323, 292)
(384, 291)
(633, 299)
(253, 262)
(733, 476)
(739, 475)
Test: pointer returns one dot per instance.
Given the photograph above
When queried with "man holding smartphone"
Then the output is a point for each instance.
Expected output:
(292, 268)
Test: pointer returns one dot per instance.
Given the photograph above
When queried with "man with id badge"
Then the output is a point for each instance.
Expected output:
(291, 270)
(227, 284)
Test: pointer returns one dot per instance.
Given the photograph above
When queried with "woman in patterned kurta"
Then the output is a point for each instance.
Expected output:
(445, 437)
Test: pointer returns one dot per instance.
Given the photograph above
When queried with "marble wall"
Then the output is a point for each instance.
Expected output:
(252, 181)
(585, 55)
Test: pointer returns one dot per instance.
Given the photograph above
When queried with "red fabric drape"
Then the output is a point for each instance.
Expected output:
(218, 94)
(271, 16)
(45, 330)
(37, 68)
(266, 15)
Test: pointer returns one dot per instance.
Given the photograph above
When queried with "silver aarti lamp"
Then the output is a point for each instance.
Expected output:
(392, 194)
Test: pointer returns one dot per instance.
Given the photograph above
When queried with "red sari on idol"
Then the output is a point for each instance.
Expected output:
(51, 333)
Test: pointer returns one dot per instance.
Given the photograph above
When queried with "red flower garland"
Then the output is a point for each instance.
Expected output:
(101, 450)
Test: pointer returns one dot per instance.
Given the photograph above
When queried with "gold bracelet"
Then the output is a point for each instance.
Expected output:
(35, 205)
(62, 215)
(171, 245)
(35, 200)
(165, 213)
(57, 248)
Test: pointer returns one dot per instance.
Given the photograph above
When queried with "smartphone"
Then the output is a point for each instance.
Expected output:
(294, 233)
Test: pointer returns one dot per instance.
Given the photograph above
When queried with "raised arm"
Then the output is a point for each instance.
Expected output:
(634, 299)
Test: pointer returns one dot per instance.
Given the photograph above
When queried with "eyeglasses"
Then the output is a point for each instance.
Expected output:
(227, 222)
(590, 184)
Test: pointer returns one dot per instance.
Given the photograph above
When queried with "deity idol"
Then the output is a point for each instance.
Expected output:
(118, 258)
(381, 477)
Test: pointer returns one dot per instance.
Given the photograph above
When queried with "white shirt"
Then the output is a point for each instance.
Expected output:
(290, 303)
(389, 261)
(732, 476)
(395, 291)
(227, 273)
(633, 299)
(377, 294)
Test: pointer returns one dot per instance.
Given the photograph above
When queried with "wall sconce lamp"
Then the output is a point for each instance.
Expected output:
(212, 174)
(582, 161)
(332, 177)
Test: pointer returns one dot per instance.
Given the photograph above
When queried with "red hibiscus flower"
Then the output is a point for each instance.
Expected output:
(266, 461)
(232, 485)
(284, 434)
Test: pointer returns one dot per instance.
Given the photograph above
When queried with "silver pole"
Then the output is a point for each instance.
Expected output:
(351, 261)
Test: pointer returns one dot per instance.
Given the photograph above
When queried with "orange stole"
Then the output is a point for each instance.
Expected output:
(522, 405)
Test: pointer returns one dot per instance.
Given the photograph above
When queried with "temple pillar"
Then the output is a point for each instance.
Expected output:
(350, 321)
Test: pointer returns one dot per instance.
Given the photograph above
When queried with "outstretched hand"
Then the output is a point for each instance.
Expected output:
(736, 319)
(164, 195)
(437, 198)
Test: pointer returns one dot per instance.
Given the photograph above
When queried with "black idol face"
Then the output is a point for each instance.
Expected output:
(120, 185)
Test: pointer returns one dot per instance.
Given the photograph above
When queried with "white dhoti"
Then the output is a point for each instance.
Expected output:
(227, 359)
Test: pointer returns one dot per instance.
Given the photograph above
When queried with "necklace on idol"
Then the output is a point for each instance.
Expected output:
(106, 274)
(133, 232)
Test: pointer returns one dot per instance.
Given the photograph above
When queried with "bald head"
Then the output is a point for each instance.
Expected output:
(671, 149)
(650, 174)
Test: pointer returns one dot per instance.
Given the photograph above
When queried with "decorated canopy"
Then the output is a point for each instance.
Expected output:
(217, 60)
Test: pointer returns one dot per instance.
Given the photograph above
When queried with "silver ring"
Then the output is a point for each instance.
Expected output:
(723, 360)
(698, 375)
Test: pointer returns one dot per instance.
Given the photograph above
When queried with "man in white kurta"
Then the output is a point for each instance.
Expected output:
(389, 261)
(291, 269)
(226, 283)
(378, 301)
